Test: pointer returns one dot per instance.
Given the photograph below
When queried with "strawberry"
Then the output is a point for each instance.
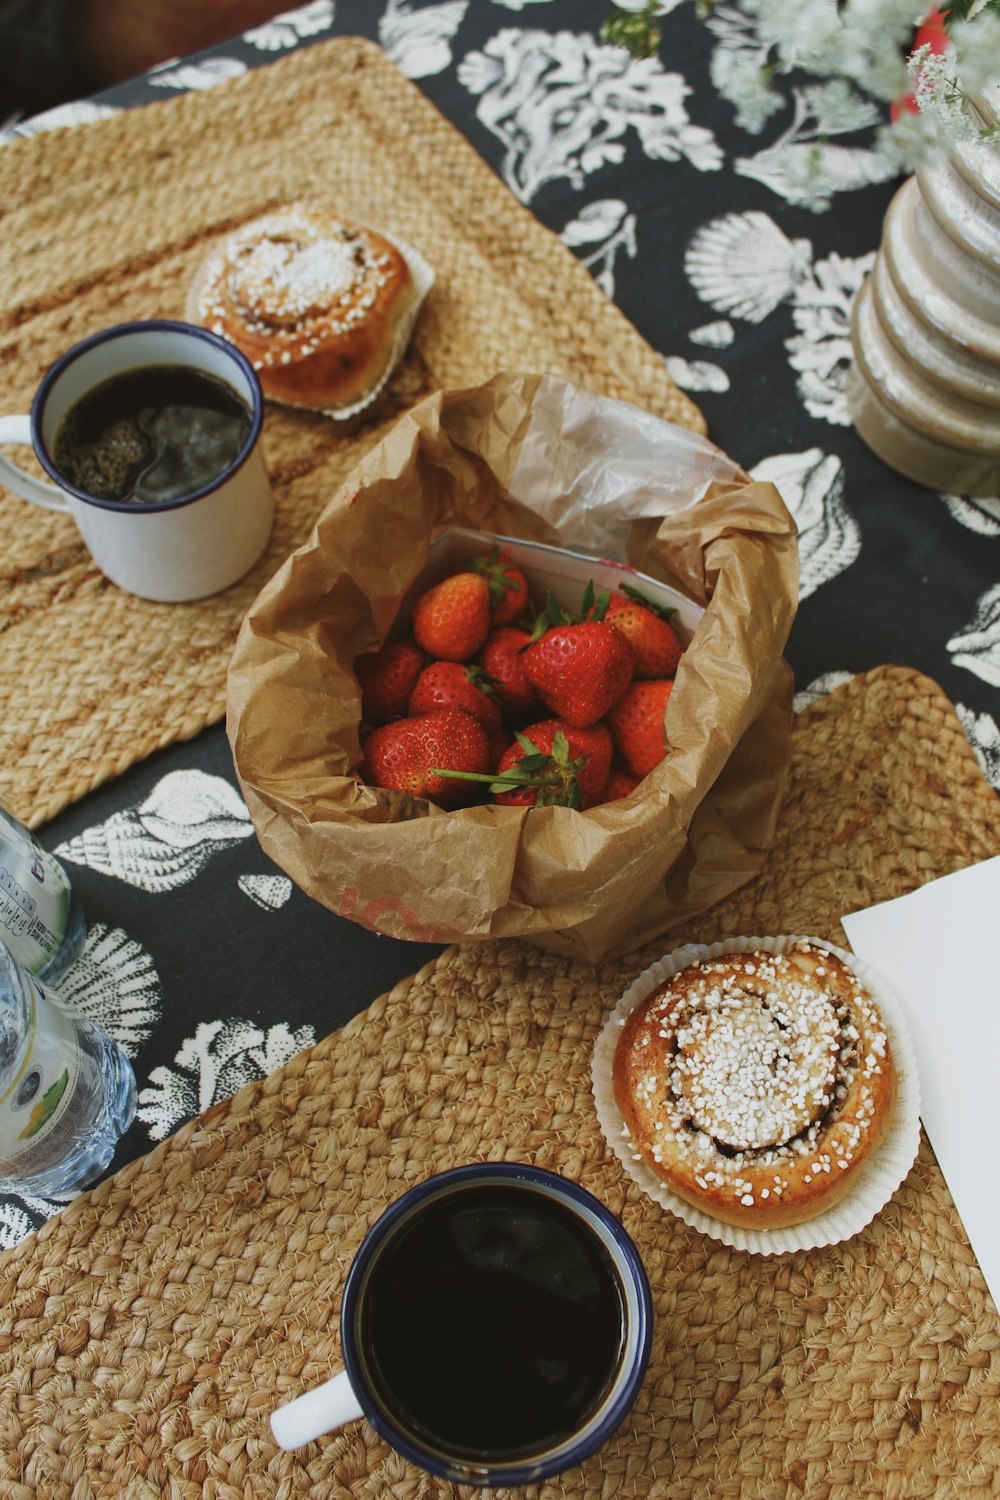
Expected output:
(406, 755)
(501, 659)
(636, 724)
(656, 646)
(507, 584)
(386, 678)
(559, 763)
(620, 783)
(578, 668)
(452, 684)
(452, 620)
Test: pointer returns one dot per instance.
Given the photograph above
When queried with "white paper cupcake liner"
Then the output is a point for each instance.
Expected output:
(877, 1180)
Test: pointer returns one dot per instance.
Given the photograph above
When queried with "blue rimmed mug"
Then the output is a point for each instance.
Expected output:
(495, 1329)
(172, 550)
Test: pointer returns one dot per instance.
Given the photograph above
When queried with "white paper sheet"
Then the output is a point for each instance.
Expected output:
(938, 949)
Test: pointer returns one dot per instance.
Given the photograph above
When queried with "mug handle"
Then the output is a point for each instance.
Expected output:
(17, 430)
(316, 1412)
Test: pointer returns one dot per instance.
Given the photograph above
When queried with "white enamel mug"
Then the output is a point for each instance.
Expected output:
(172, 550)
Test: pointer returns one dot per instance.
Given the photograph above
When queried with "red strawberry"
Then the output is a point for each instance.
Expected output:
(655, 643)
(407, 754)
(452, 684)
(451, 620)
(501, 659)
(580, 670)
(560, 764)
(620, 783)
(636, 724)
(507, 583)
(386, 678)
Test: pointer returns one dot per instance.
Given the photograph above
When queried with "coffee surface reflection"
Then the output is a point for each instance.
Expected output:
(151, 435)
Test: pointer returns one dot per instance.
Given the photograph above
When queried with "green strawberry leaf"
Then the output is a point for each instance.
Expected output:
(664, 611)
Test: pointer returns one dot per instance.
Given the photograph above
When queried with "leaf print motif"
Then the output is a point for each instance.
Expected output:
(805, 168)
(114, 982)
(819, 688)
(744, 265)
(821, 353)
(267, 891)
(212, 1065)
(291, 27)
(697, 374)
(981, 515)
(561, 105)
(164, 842)
(983, 734)
(419, 42)
(812, 486)
(977, 648)
(203, 75)
(608, 225)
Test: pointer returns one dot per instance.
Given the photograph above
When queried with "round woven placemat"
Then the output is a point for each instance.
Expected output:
(109, 222)
(147, 1332)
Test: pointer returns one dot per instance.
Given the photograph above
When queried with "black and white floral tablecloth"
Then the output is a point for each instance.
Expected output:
(739, 267)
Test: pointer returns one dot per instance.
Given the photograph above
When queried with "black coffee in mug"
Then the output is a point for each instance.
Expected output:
(151, 434)
(490, 1322)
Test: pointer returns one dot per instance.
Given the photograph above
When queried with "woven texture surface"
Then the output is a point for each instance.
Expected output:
(109, 222)
(147, 1332)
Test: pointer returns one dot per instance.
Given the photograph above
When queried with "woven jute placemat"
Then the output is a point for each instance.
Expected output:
(147, 1331)
(107, 223)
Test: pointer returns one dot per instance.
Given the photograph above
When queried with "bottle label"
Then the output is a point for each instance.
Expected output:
(34, 898)
(40, 1080)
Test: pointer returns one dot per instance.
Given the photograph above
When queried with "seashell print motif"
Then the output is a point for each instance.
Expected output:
(821, 352)
(419, 42)
(717, 335)
(744, 265)
(561, 105)
(212, 1065)
(607, 225)
(164, 842)
(812, 486)
(193, 77)
(977, 647)
(267, 891)
(291, 26)
(114, 983)
(979, 515)
(15, 1224)
(696, 374)
(983, 734)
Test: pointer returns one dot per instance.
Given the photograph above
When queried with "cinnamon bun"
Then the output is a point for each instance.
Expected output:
(755, 1085)
(319, 305)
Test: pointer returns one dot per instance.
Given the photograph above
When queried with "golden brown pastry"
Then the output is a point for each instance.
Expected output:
(314, 302)
(756, 1085)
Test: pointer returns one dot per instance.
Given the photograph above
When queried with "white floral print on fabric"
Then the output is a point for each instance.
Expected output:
(718, 335)
(812, 486)
(270, 892)
(212, 1065)
(292, 27)
(696, 374)
(419, 41)
(607, 225)
(983, 734)
(819, 688)
(15, 1224)
(561, 105)
(981, 516)
(977, 646)
(80, 112)
(165, 841)
(821, 352)
(115, 984)
(192, 77)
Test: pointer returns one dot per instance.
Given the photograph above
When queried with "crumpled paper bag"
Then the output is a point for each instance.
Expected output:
(538, 458)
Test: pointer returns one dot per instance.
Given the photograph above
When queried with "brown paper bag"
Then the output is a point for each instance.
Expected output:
(537, 458)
